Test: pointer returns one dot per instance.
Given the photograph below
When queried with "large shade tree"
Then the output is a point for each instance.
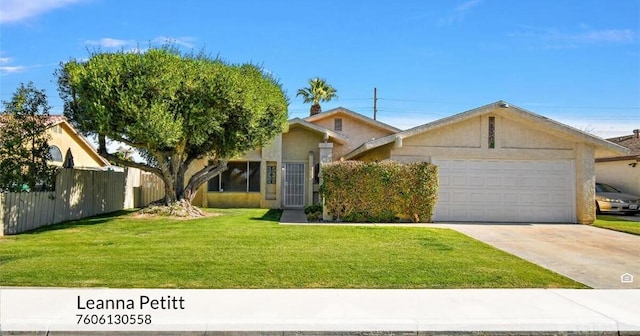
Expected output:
(318, 91)
(174, 108)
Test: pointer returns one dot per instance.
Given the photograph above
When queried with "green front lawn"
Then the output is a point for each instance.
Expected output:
(247, 248)
(613, 223)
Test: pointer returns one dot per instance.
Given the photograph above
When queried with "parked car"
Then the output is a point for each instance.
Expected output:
(610, 199)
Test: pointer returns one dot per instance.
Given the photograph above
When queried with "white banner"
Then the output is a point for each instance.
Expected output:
(318, 310)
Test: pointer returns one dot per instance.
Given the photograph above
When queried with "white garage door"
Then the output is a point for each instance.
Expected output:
(505, 191)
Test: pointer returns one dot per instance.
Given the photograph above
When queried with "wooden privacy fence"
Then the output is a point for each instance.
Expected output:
(78, 194)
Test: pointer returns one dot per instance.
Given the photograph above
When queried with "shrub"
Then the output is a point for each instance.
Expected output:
(313, 208)
(380, 191)
(314, 212)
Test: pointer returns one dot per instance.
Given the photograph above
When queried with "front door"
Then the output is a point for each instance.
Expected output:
(294, 185)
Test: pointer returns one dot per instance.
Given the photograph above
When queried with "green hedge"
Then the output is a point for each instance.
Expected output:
(356, 191)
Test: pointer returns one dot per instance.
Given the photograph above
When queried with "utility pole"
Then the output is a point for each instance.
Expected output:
(375, 103)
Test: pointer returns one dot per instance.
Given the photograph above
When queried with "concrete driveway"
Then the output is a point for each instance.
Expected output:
(593, 256)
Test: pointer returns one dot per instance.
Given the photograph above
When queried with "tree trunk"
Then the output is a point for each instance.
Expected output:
(315, 109)
(172, 171)
(178, 197)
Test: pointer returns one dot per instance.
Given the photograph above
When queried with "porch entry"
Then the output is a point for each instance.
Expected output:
(294, 185)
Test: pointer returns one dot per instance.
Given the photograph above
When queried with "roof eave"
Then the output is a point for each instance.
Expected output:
(86, 142)
(337, 137)
(354, 114)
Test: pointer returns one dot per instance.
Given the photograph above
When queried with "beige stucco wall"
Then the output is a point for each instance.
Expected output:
(585, 184)
(64, 138)
(234, 199)
(271, 153)
(466, 134)
(298, 142)
(620, 174)
(514, 134)
(356, 130)
(469, 139)
(379, 154)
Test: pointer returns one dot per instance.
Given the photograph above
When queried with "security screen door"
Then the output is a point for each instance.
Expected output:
(293, 184)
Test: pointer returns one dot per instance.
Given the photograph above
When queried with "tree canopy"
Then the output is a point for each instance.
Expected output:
(175, 108)
(318, 90)
(24, 148)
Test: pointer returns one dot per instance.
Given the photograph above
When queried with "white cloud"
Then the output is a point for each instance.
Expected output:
(11, 69)
(459, 13)
(184, 41)
(18, 10)
(549, 38)
(108, 42)
(133, 46)
(467, 5)
(5, 70)
(606, 36)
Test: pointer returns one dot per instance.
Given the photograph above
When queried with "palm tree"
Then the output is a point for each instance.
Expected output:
(317, 91)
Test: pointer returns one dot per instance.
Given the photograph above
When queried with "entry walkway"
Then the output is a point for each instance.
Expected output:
(293, 216)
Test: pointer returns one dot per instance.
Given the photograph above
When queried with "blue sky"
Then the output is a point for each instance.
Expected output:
(575, 61)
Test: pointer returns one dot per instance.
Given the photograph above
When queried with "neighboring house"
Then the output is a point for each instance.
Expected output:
(496, 163)
(622, 171)
(63, 137)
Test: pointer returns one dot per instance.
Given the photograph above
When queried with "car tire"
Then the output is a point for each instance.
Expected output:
(598, 212)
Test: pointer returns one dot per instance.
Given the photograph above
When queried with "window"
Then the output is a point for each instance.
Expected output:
(316, 173)
(492, 132)
(214, 184)
(56, 154)
(239, 177)
(337, 124)
(271, 174)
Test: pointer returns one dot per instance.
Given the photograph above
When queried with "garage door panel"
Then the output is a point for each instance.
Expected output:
(444, 197)
(505, 191)
(459, 180)
(526, 198)
(476, 198)
(476, 181)
(460, 197)
(510, 198)
(493, 197)
(508, 181)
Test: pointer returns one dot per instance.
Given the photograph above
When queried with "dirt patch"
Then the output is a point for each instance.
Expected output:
(142, 215)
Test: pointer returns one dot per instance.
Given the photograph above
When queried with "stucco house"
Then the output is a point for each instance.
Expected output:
(622, 171)
(497, 163)
(63, 137)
